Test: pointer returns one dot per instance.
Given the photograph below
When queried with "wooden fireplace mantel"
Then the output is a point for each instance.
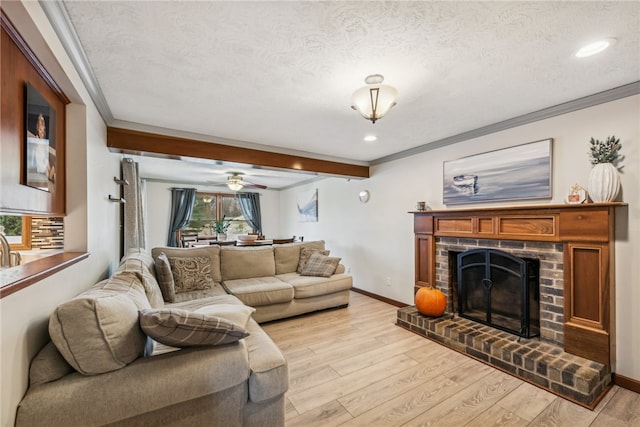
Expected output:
(586, 232)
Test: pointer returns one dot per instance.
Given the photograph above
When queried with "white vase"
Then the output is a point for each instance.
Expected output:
(604, 183)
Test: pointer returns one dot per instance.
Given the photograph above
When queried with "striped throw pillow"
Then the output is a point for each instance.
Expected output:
(183, 328)
(165, 278)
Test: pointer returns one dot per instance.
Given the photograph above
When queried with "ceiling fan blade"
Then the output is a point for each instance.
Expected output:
(252, 185)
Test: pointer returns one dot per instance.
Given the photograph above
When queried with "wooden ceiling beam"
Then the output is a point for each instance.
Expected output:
(144, 143)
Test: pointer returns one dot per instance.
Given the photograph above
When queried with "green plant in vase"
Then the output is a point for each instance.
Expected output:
(605, 151)
(220, 227)
(604, 179)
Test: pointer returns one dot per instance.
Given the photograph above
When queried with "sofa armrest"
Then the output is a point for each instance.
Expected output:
(340, 269)
(145, 385)
(269, 370)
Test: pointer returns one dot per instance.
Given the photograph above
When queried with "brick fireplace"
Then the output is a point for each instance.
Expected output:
(574, 246)
(550, 274)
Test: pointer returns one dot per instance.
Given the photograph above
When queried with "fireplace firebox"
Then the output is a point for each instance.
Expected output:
(500, 290)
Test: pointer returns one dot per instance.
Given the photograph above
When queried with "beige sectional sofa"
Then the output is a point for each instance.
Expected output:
(101, 368)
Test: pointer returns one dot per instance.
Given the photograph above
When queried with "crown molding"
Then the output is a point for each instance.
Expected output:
(61, 23)
(546, 113)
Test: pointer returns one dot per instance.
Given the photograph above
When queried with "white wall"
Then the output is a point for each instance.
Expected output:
(159, 210)
(91, 224)
(376, 239)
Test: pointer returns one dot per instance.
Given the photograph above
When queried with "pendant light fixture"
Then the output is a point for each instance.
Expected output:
(375, 99)
(235, 182)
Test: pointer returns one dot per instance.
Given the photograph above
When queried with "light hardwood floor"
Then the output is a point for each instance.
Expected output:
(355, 367)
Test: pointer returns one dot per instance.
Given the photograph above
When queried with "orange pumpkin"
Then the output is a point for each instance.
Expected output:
(431, 302)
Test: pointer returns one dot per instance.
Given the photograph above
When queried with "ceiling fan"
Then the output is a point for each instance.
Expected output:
(235, 182)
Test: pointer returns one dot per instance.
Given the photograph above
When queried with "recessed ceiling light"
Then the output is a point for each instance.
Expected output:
(370, 138)
(595, 47)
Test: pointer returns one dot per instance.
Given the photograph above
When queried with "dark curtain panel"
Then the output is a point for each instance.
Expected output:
(250, 205)
(182, 200)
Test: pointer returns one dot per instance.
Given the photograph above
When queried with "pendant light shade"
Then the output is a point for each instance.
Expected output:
(234, 186)
(235, 182)
(375, 99)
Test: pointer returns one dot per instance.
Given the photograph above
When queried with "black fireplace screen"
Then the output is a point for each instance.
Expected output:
(500, 290)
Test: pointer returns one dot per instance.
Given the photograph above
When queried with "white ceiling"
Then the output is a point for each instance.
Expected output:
(279, 75)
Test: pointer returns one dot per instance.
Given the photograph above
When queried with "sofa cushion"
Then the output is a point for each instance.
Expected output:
(260, 290)
(182, 328)
(320, 265)
(215, 290)
(287, 256)
(305, 254)
(311, 286)
(204, 302)
(246, 263)
(165, 278)
(138, 262)
(48, 365)
(98, 330)
(239, 314)
(141, 255)
(191, 273)
(145, 389)
(211, 251)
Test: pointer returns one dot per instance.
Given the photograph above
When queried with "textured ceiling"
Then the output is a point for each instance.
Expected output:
(281, 74)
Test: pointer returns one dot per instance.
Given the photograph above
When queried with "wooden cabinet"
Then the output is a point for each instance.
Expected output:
(586, 232)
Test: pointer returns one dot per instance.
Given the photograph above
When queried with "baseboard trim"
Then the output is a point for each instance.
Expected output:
(628, 383)
(380, 298)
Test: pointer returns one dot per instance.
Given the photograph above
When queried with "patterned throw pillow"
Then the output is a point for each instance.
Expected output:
(320, 265)
(191, 273)
(305, 253)
(165, 278)
(183, 328)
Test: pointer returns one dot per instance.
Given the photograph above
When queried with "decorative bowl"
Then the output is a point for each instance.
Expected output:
(247, 237)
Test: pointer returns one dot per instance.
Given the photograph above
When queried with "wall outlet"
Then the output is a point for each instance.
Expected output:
(388, 281)
(347, 269)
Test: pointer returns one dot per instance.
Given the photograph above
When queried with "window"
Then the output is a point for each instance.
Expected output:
(17, 230)
(209, 207)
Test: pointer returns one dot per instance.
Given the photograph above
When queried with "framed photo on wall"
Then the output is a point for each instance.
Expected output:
(40, 145)
(514, 173)
(308, 206)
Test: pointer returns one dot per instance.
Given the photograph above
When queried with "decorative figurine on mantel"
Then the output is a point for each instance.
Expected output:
(604, 179)
(576, 195)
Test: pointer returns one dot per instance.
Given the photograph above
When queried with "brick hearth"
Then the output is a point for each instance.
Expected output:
(541, 363)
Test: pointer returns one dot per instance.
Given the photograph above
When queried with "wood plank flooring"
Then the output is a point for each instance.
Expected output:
(355, 367)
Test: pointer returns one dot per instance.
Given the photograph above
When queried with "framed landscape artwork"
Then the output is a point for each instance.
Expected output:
(308, 206)
(40, 146)
(514, 173)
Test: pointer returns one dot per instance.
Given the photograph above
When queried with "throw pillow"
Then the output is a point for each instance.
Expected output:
(191, 273)
(48, 365)
(320, 265)
(98, 331)
(236, 313)
(182, 328)
(165, 278)
(305, 253)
